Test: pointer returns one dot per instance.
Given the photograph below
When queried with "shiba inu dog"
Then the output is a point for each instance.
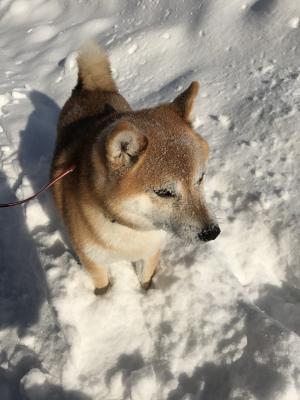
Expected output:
(138, 173)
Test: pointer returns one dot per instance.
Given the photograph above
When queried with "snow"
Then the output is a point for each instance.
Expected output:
(223, 320)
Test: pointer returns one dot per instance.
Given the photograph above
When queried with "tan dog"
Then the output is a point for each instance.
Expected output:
(138, 173)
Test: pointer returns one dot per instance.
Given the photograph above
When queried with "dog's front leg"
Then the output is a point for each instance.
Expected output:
(98, 274)
(148, 271)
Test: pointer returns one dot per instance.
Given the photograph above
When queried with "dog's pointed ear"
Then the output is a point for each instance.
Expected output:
(124, 145)
(184, 103)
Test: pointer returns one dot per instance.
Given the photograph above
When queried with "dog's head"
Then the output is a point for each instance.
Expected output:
(155, 171)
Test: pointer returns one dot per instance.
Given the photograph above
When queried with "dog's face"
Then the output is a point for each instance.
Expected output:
(156, 169)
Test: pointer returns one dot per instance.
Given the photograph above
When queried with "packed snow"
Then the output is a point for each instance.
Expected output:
(222, 320)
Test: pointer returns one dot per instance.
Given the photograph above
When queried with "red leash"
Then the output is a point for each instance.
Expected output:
(49, 184)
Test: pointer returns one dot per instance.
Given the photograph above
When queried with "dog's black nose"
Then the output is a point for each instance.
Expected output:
(209, 232)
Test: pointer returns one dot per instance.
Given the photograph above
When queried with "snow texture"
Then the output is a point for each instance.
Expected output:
(223, 320)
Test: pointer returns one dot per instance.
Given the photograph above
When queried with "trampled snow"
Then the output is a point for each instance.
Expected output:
(222, 321)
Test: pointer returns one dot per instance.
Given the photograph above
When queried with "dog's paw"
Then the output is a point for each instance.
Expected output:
(101, 291)
(147, 285)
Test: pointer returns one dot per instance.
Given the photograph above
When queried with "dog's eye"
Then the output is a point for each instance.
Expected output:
(164, 193)
(201, 178)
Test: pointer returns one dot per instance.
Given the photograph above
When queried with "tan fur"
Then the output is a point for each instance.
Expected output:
(94, 68)
(110, 203)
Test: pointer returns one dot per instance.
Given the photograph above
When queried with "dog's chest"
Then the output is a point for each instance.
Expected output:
(122, 243)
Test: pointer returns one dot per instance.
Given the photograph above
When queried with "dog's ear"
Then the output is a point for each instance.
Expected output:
(124, 145)
(185, 101)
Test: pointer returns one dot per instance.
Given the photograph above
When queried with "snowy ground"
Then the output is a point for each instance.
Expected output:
(223, 320)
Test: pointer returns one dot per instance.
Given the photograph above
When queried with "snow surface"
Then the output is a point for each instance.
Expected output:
(223, 320)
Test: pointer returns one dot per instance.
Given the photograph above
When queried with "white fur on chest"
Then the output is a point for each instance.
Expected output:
(122, 243)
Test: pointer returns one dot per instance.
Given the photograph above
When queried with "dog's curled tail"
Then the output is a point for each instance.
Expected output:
(94, 68)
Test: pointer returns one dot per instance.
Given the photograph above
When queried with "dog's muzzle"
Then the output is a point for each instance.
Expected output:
(209, 232)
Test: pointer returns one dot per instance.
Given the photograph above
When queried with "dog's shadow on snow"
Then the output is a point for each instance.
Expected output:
(10, 384)
(23, 286)
(37, 146)
(35, 155)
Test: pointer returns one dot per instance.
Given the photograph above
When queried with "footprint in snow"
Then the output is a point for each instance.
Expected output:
(68, 64)
(223, 120)
(132, 49)
(41, 33)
